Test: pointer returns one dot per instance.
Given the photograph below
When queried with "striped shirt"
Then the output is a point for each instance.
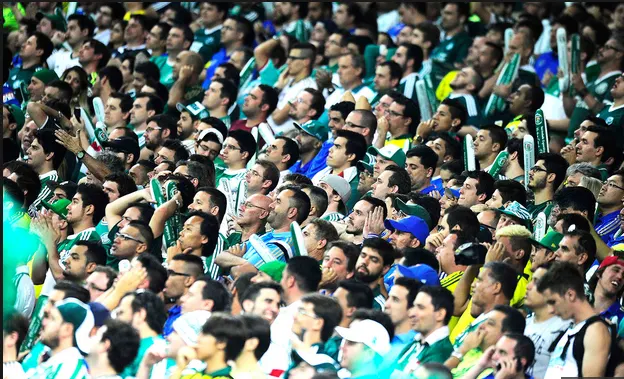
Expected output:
(68, 364)
(45, 194)
(210, 267)
(333, 217)
(608, 225)
(425, 69)
(450, 281)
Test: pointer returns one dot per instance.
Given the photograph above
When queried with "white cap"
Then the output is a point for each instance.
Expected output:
(370, 333)
(340, 185)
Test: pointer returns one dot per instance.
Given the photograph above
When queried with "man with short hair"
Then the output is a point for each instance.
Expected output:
(544, 180)
(351, 71)
(284, 153)
(349, 148)
(45, 155)
(361, 121)
(376, 258)
(596, 146)
(238, 149)
(431, 310)
(259, 104)
(34, 53)
(145, 312)
(145, 105)
(466, 86)
(219, 98)
(83, 258)
(409, 57)
(477, 189)
(205, 295)
(490, 141)
(222, 339)
(93, 56)
(180, 38)
(454, 40)
(14, 328)
(356, 219)
(401, 120)
(392, 180)
(317, 235)
(310, 138)
(512, 355)
(543, 326)
(339, 263)
(66, 327)
(116, 109)
(308, 330)
(159, 129)
(80, 28)
(108, 81)
(577, 247)
(399, 306)
(608, 284)
(610, 204)
(263, 300)
(421, 165)
(387, 77)
(450, 271)
(131, 240)
(208, 35)
(563, 288)
(116, 346)
(450, 116)
(262, 178)
(183, 270)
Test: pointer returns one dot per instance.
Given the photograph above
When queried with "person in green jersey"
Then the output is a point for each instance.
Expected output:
(156, 41)
(596, 146)
(466, 86)
(145, 105)
(179, 39)
(591, 96)
(613, 114)
(38, 83)
(45, 156)
(219, 98)
(432, 310)
(187, 87)
(66, 360)
(545, 177)
(490, 141)
(145, 312)
(34, 53)
(83, 258)
(208, 28)
(115, 185)
(221, 339)
(454, 40)
(292, 16)
(387, 77)
(409, 57)
(116, 346)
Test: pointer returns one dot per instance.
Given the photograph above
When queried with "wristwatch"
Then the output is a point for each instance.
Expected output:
(419, 139)
(80, 154)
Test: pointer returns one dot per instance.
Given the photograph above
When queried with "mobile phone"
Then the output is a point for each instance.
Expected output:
(77, 113)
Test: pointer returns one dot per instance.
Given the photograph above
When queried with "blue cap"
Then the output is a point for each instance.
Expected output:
(423, 273)
(412, 224)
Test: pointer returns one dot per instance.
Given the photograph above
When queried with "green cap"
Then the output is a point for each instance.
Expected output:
(18, 115)
(59, 207)
(46, 75)
(197, 110)
(550, 241)
(517, 210)
(392, 152)
(414, 210)
(363, 166)
(315, 129)
(274, 269)
(58, 22)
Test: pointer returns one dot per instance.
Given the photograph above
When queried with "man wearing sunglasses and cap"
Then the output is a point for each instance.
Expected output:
(190, 116)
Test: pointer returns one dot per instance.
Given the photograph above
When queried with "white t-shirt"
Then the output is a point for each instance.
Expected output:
(543, 334)
(566, 367)
(63, 61)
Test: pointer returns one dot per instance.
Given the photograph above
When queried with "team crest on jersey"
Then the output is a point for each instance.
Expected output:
(602, 88)
(450, 46)
(609, 120)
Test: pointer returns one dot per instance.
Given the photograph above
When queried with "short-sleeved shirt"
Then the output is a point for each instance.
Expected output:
(475, 116)
(434, 349)
(614, 117)
(45, 194)
(166, 69)
(448, 52)
(207, 41)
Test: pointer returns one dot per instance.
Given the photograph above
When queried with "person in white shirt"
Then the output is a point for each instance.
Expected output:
(291, 83)
(79, 29)
(14, 329)
(351, 71)
(284, 153)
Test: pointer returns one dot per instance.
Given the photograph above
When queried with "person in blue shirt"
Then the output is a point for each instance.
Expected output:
(610, 202)
(236, 32)
(607, 284)
(183, 270)
(311, 138)
(421, 165)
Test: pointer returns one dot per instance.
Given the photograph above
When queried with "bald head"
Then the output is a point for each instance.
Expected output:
(260, 200)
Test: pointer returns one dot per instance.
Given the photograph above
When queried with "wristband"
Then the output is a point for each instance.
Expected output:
(457, 355)
(584, 93)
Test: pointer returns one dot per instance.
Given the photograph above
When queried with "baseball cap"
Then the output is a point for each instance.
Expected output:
(320, 362)
(18, 115)
(100, 313)
(363, 166)
(197, 110)
(414, 210)
(80, 316)
(416, 226)
(518, 211)
(124, 144)
(423, 273)
(610, 261)
(274, 269)
(550, 241)
(58, 22)
(315, 129)
(392, 152)
(46, 75)
(340, 185)
(214, 131)
(369, 333)
(59, 207)
(189, 325)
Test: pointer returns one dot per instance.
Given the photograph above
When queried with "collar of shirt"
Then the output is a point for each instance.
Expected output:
(614, 310)
(436, 336)
(404, 338)
(22, 270)
(176, 310)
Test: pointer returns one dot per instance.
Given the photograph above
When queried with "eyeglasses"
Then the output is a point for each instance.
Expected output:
(151, 129)
(174, 273)
(352, 125)
(488, 227)
(127, 237)
(255, 173)
(610, 47)
(612, 184)
(231, 147)
(250, 205)
(303, 312)
(538, 169)
(395, 114)
(296, 58)
(93, 287)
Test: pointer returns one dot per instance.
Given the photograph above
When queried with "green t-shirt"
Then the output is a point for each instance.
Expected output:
(112, 261)
(133, 368)
(417, 353)
(379, 300)
(207, 42)
(166, 70)
(448, 52)
(539, 217)
(300, 29)
(599, 89)
(614, 117)
(19, 76)
(45, 194)
(210, 267)
(102, 230)
(65, 246)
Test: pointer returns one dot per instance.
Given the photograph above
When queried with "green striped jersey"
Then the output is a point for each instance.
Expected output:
(67, 364)
(210, 267)
(45, 194)
(333, 217)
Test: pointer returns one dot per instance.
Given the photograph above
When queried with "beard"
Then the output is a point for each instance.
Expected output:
(51, 342)
(538, 184)
(71, 277)
(367, 277)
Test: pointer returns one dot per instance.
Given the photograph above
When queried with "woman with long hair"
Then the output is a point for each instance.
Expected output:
(78, 79)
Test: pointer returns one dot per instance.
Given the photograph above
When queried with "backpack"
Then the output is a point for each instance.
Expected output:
(617, 354)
